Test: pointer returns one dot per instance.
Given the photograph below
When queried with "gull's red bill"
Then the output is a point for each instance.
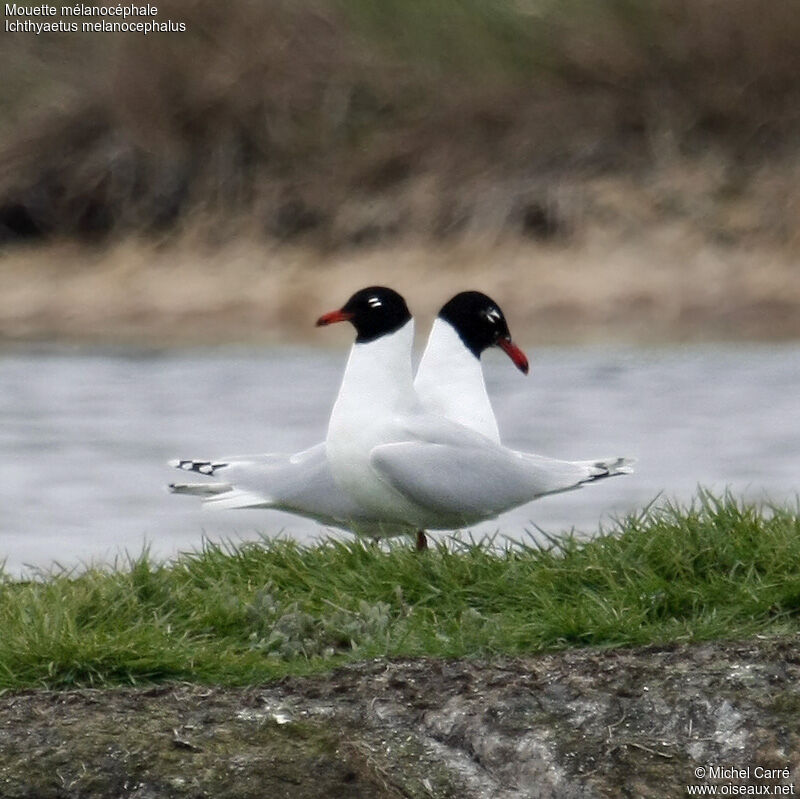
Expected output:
(332, 317)
(515, 353)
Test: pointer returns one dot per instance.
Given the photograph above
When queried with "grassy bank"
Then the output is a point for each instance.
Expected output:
(347, 122)
(717, 569)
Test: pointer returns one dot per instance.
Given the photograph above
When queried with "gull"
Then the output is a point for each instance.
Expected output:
(418, 470)
(449, 383)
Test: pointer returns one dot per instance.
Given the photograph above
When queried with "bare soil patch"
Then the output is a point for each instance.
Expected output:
(634, 722)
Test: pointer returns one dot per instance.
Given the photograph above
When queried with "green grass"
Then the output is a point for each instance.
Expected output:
(720, 568)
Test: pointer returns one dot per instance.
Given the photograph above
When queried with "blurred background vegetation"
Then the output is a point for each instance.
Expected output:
(343, 125)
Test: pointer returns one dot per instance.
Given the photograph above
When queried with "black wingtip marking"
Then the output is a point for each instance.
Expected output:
(201, 467)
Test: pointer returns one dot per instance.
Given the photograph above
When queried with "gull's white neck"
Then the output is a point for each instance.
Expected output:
(450, 382)
(377, 379)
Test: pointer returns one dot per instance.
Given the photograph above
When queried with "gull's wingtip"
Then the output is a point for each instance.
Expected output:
(205, 467)
(607, 467)
(199, 489)
(625, 466)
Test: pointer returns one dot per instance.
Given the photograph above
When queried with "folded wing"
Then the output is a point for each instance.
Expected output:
(464, 477)
(301, 481)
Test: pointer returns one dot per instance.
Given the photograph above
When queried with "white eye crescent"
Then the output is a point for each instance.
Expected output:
(374, 302)
(493, 315)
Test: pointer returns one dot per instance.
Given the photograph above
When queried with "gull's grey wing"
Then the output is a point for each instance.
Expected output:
(457, 473)
(469, 483)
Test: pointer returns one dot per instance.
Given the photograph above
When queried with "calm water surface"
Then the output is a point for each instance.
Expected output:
(85, 437)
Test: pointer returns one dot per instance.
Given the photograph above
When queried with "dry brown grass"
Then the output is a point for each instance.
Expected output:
(618, 168)
(343, 123)
(665, 283)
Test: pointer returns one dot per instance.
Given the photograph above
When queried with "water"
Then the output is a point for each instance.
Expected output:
(85, 437)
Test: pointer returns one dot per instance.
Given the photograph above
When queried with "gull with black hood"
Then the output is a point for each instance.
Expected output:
(449, 382)
(414, 468)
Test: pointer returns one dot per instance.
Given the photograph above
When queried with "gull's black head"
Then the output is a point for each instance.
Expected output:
(373, 312)
(481, 324)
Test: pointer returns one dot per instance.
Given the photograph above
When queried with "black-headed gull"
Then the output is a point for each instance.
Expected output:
(412, 468)
(449, 383)
(449, 379)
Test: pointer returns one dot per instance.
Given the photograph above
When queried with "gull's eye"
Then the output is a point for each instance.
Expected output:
(492, 316)
(374, 302)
